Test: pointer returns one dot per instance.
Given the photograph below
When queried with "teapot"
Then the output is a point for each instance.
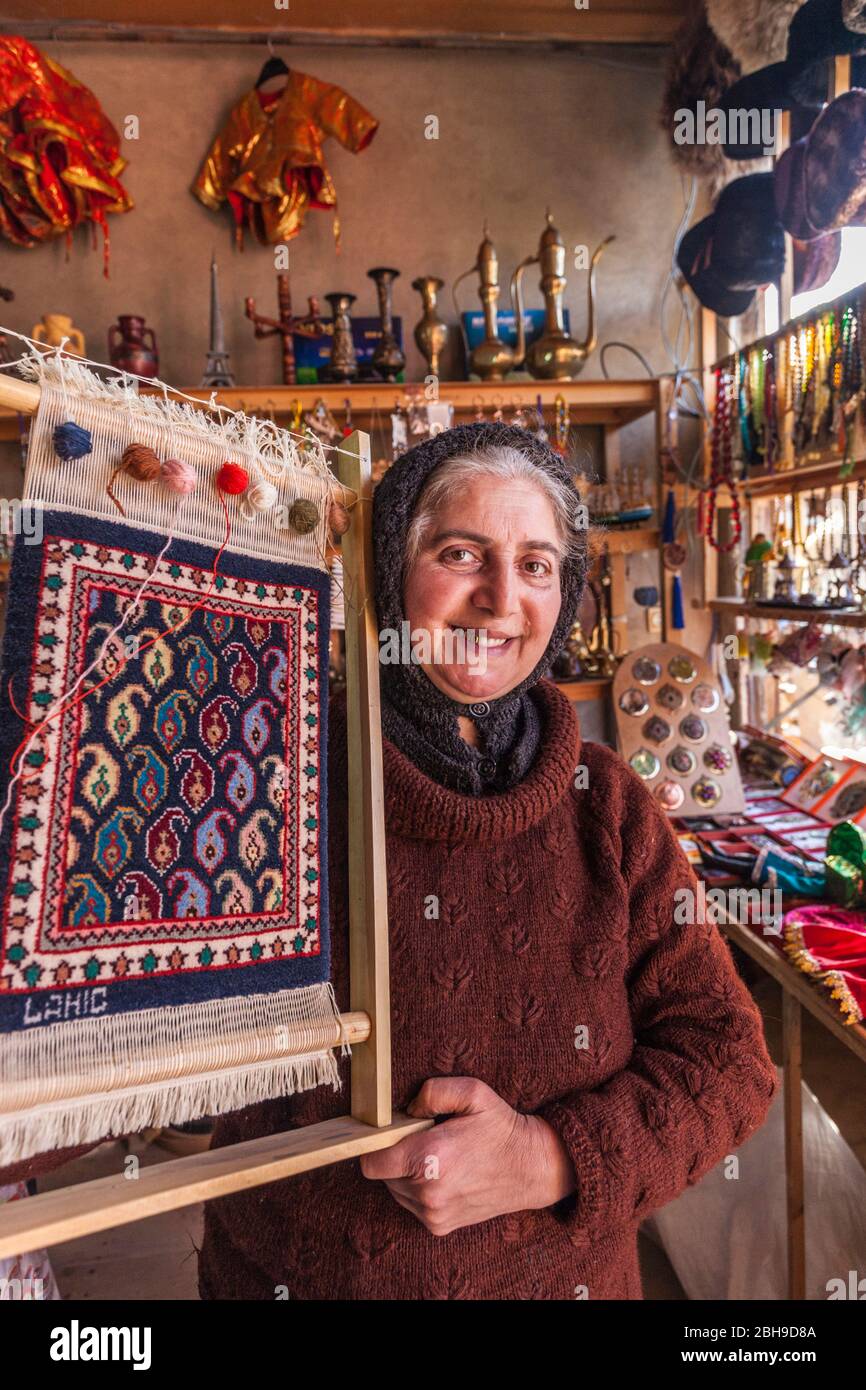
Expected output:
(555, 356)
(492, 359)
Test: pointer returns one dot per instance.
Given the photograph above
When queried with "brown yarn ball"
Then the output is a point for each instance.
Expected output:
(339, 519)
(303, 515)
(140, 462)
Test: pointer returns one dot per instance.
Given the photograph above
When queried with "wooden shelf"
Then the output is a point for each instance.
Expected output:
(795, 613)
(593, 688)
(590, 402)
(818, 470)
(622, 541)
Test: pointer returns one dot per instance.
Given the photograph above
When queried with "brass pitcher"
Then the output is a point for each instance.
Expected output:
(492, 359)
(554, 356)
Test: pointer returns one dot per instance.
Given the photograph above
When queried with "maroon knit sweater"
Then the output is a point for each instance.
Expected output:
(555, 910)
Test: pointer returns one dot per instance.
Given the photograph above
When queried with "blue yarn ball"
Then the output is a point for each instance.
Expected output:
(71, 441)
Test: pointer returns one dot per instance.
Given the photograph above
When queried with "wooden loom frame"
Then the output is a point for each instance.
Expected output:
(102, 1203)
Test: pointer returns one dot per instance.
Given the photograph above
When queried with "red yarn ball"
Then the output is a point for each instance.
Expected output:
(233, 479)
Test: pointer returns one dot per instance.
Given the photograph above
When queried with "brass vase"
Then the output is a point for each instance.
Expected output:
(431, 331)
(388, 360)
(343, 364)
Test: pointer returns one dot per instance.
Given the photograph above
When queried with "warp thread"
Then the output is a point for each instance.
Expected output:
(338, 605)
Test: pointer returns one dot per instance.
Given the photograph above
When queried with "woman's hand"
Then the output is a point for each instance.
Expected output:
(486, 1161)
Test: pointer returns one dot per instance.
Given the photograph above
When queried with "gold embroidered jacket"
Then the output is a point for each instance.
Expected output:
(267, 161)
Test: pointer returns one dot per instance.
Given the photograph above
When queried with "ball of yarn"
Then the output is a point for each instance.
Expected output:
(338, 519)
(179, 476)
(232, 479)
(262, 495)
(72, 441)
(303, 515)
(140, 462)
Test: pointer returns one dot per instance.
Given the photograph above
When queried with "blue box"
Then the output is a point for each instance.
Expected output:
(533, 326)
(312, 355)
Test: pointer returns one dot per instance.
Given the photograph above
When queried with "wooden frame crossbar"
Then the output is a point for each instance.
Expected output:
(69, 1212)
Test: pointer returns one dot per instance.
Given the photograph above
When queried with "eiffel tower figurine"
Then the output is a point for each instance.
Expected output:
(217, 371)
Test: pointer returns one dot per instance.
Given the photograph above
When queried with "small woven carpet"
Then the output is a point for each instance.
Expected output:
(163, 856)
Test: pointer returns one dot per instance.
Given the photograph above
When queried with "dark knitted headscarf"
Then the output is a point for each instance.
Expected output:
(416, 715)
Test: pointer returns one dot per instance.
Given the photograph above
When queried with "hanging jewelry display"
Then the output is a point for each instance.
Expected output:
(721, 465)
(562, 418)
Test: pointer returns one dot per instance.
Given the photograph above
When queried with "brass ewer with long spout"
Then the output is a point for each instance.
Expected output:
(492, 359)
(555, 356)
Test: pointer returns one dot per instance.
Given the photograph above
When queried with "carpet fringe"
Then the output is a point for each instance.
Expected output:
(80, 1081)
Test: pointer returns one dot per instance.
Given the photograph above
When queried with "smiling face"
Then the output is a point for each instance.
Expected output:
(490, 562)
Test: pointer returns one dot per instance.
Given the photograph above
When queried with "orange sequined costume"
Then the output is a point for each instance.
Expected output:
(59, 153)
(267, 161)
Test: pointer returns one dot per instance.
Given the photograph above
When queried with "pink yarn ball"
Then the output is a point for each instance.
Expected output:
(179, 476)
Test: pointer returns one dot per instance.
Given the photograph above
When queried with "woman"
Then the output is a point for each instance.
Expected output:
(586, 1057)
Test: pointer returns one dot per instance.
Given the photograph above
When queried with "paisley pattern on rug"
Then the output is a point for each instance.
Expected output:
(169, 823)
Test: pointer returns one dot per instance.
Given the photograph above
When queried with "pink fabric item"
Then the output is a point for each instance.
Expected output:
(830, 944)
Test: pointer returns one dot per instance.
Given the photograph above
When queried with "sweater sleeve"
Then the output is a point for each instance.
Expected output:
(699, 1079)
(39, 1164)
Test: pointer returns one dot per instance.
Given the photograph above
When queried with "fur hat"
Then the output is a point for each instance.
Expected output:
(817, 33)
(754, 31)
(700, 67)
(854, 15)
(815, 261)
(739, 246)
(820, 182)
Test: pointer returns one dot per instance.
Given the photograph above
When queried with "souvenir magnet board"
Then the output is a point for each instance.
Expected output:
(672, 730)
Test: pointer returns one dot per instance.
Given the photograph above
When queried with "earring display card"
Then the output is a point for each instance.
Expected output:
(814, 782)
(847, 799)
(672, 730)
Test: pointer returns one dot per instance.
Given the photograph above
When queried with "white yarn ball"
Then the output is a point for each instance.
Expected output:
(261, 495)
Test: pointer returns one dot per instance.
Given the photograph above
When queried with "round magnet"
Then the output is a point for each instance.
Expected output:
(657, 730)
(682, 760)
(705, 697)
(718, 757)
(646, 671)
(693, 728)
(681, 669)
(670, 795)
(669, 696)
(645, 763)
(633, 701)
(706, 792)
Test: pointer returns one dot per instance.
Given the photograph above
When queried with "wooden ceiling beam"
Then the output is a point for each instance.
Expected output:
(468, 24)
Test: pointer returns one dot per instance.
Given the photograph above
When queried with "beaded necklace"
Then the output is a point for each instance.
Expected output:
(771, 412)
(721, 462)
